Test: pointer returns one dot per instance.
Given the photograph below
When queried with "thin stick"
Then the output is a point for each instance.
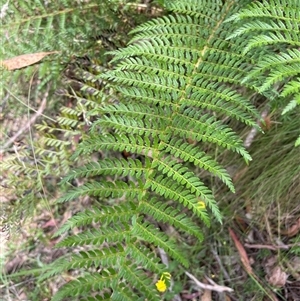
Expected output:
(271, 247)
(215, 287)
(27, 125)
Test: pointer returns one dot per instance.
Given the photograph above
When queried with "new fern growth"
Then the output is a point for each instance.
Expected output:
(171, 91)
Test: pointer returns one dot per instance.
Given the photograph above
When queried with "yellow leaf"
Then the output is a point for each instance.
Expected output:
(24, 60)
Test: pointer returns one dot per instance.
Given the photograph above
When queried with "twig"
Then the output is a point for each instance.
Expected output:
(27, 125)
(271, 247)
(215, 287)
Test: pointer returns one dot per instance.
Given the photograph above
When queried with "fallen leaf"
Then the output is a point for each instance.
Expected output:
(277, 277)
(24, 60)
(296, 264)
(293, 230)
(206, 296)
(243, 255)
(51, 223)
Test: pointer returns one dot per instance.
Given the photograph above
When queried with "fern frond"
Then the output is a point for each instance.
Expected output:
(190, 153)
(168, 214)
(98, 237)
(93, 258)
(273, 27)
(117, 167)
(106, 189)
(138, 280)
(85, 285)
(280, 67)
(107, 214)
(192, 125)
(171, 190)
(132, 144)
(142, 255)
(178, 80)
(123, 293)
(148, 232)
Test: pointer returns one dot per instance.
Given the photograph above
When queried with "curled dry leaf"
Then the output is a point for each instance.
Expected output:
(24, 60)
(293, 230)
(277, 277)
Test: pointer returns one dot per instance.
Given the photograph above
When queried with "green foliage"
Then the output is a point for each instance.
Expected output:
(274, 27)
(80, 32)
(172, 89)
(73, 28)
(167, 103)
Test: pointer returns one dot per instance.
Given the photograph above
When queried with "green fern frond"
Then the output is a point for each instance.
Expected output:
(124, 294)
(168, 214)
(272, 27)
(93, 258)
(172, 90)
(132, 144)
(88, 283)
(138, 280)
(148, 232)
(171, 190)
(107, 214)
(190, 153)
(116, 233)
(142, 255)
(117, 167)
(105, 189)
(280, 67)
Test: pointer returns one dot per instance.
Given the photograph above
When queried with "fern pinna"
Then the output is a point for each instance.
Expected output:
(174, 86)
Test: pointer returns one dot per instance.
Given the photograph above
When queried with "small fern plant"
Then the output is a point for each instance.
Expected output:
(172, 90)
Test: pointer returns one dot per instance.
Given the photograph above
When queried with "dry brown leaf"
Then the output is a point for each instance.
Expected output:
(296, 264)
(243, 255)
(293, 230)
(206, 296)
(24, 60)
(277, 277)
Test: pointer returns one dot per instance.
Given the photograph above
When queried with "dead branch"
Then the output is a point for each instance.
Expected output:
(214, 287)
